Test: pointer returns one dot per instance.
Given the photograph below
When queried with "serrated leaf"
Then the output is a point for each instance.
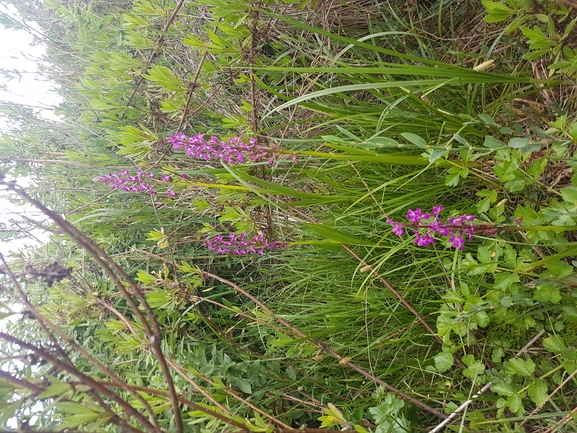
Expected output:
(504, 389)
(444, 361)
(547, 292)
(453, 297)
(569, 194)
(521, 367)
(504, 280)
(537, 391)
(474, 369)
(515, 403)
(480, 318)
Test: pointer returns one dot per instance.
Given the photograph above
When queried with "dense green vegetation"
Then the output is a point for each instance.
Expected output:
(276, 277)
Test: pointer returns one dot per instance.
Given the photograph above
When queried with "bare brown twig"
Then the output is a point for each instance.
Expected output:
(113, 271)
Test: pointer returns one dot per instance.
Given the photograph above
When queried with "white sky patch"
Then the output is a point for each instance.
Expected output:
(26, 86)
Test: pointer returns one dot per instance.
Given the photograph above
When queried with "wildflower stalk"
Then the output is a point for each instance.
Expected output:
(241, 244)
(425, 225)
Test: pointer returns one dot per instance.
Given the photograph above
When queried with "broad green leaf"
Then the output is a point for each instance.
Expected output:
(538, 391)
(518, 143)
(569, 194)
(547, 291)
(493, 143)
(475, 368)
(481, 318)
(415, 139)
(444, 361)
(504, 280)
(522, 367)
(515, 403)
(502, 388)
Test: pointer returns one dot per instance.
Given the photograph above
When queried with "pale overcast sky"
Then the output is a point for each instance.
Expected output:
(18, 51)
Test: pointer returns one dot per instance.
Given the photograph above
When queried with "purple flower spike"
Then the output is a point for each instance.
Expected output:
(398, 228)
(414, 216)
(142, 181)
(241, 244)
(425, 225)
(235, 150)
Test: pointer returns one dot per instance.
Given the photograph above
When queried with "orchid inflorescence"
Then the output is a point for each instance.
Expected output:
(235, 150)
(425, 225)
(241, 244)
(141, 181)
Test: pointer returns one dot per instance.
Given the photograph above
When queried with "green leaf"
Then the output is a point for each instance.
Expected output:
(504, 389)
(555, 344)
(475, 368)
(505, 170)
(55, 389)
(481, 318)
(444, 361)
(488, 120)
(569, 313)
(493, 143)
(436, 154)
(453, 297)
(243, 384)
(484, 255)
(415, 139)
(515, 403)
(547, 291)
(73, 421)
(559, 269)
(378, 143)
(490, 196)
(145, 278)
(497, 11)
(504, 280)
(521, 367)
(518, 143)
(537, 391)
(166, 78)
(455, 173)
(569, 194)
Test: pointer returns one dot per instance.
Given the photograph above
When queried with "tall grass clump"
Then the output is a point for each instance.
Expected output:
(364, 223)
